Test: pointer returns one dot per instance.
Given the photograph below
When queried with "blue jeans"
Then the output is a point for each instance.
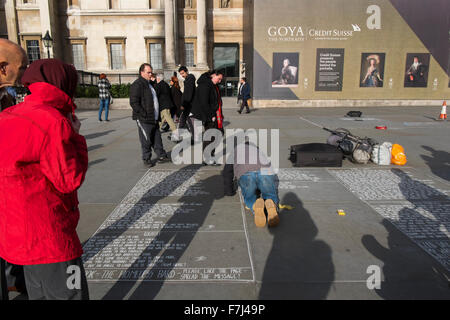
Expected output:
(253, 181)
(104, 104)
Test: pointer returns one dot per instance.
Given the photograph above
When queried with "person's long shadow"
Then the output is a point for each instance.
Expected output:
(419, 194)
(97, 134)
(299, 266)
(116, 229)
(156, 276)
(439, 162)
(400, 262)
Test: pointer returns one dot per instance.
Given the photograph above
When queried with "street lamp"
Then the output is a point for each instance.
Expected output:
(48, 42)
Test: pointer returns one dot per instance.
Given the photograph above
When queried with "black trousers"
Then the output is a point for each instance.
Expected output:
(11, 275)
(150, 138)
(185, 121)
(3, 284)
(244, 104)
(57, 281)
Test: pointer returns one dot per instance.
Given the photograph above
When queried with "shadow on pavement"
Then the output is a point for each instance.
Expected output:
(439, 162)
(149, 289)
(97, 134)
(95, 147)
(299, 266)
(407, 275)
(131, 217)
(93, 163)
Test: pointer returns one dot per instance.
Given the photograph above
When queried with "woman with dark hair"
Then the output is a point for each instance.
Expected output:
(176, 95)
(44, 161)
(104, 93)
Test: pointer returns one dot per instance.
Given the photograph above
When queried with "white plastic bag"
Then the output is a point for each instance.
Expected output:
(381, 154)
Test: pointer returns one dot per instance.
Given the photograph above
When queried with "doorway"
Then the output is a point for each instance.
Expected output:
(226, 58)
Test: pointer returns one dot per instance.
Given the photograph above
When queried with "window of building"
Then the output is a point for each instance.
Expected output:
(116, 53)
(113, 4)
(78, 56)
(156, 55)
(116, 56)
(73, 3)
(189, 54)
(33, 49)
(29, 1)
(225, 3)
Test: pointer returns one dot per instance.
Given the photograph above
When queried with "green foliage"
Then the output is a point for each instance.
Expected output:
(120, 90)
(117, 91)
(86, 92)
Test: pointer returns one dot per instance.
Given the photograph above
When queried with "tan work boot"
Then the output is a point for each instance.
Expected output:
(272, 213)
(260, 217)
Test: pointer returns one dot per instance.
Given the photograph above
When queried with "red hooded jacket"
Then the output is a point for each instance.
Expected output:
(43, 162)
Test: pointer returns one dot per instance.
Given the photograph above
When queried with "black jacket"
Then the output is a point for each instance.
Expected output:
(164, 95)
(189, 92)
(176, 97)
(141, 101)
(206, 99)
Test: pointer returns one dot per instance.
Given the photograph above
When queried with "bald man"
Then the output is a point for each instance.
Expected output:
(13, 63)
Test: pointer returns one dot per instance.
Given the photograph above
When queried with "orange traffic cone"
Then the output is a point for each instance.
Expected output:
(443, 115)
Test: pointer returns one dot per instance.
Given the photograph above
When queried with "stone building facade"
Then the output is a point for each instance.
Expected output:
(116, 36)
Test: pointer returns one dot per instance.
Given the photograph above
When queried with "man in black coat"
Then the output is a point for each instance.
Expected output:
(165, 102)
(206, 102)
(244, 95)
(187, 98)
(145, 105)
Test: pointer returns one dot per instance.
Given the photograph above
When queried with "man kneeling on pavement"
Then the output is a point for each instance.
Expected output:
(253, 178)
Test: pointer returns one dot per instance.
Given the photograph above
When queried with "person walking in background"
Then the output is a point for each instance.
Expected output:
(176, 96)
(206, 104)
(251, 178)
(165, 102)
(104, 93)
(145, 105)
(44, 161)
(187, 98)
(244, 95)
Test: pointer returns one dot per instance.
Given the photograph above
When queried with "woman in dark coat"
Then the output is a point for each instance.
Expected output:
(176, 96)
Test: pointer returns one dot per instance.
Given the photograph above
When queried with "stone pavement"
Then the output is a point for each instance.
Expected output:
(169, 233)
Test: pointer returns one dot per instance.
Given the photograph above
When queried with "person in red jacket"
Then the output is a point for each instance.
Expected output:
(43, 161)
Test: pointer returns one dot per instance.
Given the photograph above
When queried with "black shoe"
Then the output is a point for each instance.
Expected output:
(163, 159)
(239, 111)
(107, 120)
(149, 163)
(248, 111)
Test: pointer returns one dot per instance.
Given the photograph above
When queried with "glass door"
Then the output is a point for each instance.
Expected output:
(226, 58)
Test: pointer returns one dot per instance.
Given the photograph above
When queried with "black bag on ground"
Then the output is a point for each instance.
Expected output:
(354, 114)
(316, 155)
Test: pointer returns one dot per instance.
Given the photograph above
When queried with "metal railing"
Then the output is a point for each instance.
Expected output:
(87, 78)
(91, 79)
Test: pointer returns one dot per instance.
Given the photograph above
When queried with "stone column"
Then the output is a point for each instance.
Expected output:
(169, 27)
(202, 35)
(11, 20)
(49, 23)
